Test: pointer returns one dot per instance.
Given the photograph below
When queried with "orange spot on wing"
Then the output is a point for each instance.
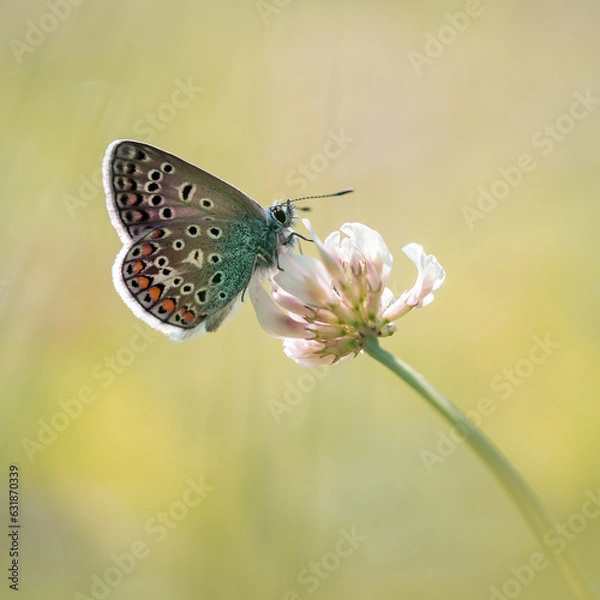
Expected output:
(154, 292)
(143, 282)
(188, 317)
(168, 305)
(147, 249)
(157, 233)
(137, 267)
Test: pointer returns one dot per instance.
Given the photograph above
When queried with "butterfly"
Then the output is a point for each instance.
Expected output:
(191, 241)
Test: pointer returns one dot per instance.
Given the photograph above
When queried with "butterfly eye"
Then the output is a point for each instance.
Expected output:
(280, 214)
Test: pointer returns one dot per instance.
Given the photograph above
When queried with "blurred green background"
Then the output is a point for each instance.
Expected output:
(424, 123)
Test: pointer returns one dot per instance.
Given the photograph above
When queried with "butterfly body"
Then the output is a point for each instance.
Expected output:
(191, 242)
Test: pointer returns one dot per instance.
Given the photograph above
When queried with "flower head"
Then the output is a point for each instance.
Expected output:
(330, 306)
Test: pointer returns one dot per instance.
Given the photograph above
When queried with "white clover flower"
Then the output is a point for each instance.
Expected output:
(331, 306)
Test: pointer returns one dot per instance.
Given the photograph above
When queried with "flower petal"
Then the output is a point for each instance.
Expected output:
(275, 322)
(288, 302)
(431, 275)
(370, 243)
(310, 353)
(307, 353)
(329, 259)
(306, 278)
(387, 298)
(397, 309)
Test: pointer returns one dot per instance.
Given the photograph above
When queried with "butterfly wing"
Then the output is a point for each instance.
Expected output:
(173, 219)
(146, 186)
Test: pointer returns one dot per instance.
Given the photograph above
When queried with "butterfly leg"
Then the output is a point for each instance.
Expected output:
(288, 240)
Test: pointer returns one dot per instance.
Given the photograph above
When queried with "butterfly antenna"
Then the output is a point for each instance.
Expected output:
(340, 193)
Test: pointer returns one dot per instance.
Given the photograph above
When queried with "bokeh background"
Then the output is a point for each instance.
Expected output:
(421, 125)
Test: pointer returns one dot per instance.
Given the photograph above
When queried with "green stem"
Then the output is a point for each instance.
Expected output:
(516, 487)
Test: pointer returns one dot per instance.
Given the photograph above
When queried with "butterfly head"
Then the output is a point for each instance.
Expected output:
(282, 215)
